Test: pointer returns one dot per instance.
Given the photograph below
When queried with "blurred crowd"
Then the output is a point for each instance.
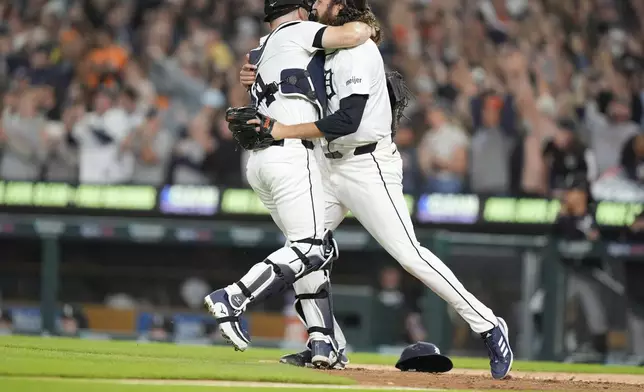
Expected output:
(512, 96)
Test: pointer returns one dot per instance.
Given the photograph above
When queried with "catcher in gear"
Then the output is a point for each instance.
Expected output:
(289, 86)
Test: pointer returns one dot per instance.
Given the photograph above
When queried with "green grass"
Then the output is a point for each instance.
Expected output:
(74, 358)
(54, 357)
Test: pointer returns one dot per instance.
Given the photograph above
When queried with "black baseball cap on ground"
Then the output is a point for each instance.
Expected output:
(424, 357)
(273, 9)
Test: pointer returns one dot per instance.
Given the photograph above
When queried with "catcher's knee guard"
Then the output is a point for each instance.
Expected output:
(282, 268)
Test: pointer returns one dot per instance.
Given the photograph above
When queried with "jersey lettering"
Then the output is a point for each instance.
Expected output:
(354, 80)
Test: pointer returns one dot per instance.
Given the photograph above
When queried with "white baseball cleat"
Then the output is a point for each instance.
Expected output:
(227, 319)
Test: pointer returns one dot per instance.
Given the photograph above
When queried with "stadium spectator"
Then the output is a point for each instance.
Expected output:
(490, 154)
(394, 301)
(62, 160)
(161, 330)
(568, 159)
(633, 158)
(443, 151)
(406, 143)
(23, 138)
(99, 135)
(225, 162)
(609, 132)
(152, 148)
(191, 152)
(73, 321)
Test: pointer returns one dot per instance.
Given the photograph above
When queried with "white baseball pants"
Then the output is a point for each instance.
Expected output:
(370, 185)
(287, 180)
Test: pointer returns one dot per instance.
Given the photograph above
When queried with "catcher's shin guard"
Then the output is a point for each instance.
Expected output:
(314, 306)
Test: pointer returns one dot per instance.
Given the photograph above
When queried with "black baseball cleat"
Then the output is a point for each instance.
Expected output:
(301, 359)
(304, 359)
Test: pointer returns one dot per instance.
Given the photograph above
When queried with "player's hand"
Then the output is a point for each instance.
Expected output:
(268, 125)
(251, 129)
(248, 74)
(364, 31)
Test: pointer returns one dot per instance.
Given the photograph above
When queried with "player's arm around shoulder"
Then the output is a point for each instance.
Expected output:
(345, 36)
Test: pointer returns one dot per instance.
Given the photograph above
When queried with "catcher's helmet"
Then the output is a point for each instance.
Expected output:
(273, 9)
(424, 357)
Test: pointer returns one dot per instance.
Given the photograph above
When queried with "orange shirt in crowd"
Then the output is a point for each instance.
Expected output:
(113, 57)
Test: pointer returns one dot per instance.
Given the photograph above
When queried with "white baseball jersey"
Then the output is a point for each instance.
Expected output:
(286, 177)
(289, 55)
(359, 70)
(368, 181)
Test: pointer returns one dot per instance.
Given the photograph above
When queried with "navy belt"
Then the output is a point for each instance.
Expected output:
(306, 143)
(366, 149)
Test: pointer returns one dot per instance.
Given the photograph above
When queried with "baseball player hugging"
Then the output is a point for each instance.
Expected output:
(289, 86)
(362, 171)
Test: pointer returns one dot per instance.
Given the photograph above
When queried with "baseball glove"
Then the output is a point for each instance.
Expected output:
(399, 95)
(250, 136)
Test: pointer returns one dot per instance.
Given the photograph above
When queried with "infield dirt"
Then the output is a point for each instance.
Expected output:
(386, 376)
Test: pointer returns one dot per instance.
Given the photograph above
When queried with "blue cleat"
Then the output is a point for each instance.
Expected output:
(499, 351)
(322, 354)
(227, 319)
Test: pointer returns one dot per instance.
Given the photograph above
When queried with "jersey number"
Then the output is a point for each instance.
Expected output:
(258, 92)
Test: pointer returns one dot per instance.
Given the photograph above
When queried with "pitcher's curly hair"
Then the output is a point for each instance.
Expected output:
(350, 14)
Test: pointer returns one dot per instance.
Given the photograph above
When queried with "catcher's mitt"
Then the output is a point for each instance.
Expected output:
(399, 95)
(250, 136)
